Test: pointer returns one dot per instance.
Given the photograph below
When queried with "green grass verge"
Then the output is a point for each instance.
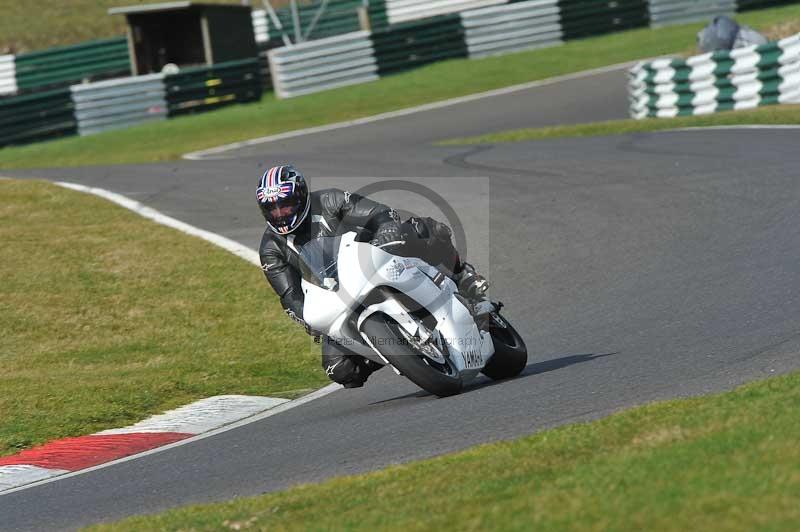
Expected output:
(169, 140)
(725, 462)
(771, 115)
(106, 318)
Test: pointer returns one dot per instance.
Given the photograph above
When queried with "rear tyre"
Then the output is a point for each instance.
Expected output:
(439, 379)
(510, 354)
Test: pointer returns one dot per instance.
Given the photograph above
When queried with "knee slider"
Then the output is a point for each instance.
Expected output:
(340, 369)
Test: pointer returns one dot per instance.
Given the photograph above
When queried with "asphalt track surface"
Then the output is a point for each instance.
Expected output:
(637, 267)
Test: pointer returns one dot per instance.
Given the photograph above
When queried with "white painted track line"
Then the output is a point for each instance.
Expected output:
(19, 475)
(225, 243)
(203, 415)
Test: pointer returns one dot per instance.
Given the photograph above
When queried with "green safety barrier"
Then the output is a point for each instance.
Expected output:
(746, 5)
(205, 88)
(586, 18)
(47, 114)
(36, 116)
(378, 18)
(59, 67)
(406, 46)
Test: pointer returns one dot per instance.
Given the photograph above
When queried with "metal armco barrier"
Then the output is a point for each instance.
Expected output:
(8, 75)
(586, 18)
(512, 27)
(205, 88)
(745, 5)
(398, 11)
(497, 29)
(579, 18)
(378, 19)
(59, 67)
(407, 46)
(740, 79)
(36, 116)
(323, 64)
(119, 103)
(337, 17)
(663, 12)
(264, 64)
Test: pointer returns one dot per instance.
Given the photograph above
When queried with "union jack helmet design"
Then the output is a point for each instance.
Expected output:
(282, 196)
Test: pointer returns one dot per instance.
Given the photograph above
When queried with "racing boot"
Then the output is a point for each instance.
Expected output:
(471, 284)
(366, 367)
(351, 371)
(363, 369)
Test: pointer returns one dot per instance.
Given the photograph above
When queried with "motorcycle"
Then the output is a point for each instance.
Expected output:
(405, 313)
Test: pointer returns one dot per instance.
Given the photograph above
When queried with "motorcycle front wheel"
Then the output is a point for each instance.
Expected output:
(510, 354)
(439, 379)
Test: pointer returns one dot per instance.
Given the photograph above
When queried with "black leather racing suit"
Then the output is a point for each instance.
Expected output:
(333, 212)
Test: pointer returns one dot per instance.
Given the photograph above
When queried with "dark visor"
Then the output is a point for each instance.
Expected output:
(282, 211)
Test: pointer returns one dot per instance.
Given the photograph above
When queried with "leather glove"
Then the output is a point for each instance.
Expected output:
(297, 319)
(388, 234)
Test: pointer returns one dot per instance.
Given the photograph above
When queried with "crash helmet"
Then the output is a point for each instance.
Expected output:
(282, 196)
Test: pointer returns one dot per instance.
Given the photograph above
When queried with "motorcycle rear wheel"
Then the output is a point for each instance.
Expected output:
(435, 378)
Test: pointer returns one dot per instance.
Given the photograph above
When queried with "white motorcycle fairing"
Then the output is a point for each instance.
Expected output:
(365, 271)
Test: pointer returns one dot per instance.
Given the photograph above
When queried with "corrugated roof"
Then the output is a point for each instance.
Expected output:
(163, 6)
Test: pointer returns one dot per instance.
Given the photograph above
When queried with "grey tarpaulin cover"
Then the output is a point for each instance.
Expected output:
(724, 33)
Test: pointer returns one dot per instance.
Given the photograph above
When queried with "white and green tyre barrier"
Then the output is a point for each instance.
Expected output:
(740, 79)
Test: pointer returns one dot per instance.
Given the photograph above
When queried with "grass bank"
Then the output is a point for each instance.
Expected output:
(107, 318)
(169, 140)
(725, 462)
(771, 115)
(39, 24)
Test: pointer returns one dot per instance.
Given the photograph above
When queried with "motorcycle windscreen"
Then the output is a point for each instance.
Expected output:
(318, 261)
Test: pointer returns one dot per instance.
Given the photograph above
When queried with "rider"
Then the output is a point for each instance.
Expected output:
(294, 216)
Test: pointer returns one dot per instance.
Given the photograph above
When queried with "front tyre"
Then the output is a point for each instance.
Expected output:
(510, 354)
(439, 379)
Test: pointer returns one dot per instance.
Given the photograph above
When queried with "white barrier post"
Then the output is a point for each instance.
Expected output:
(8, 75)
